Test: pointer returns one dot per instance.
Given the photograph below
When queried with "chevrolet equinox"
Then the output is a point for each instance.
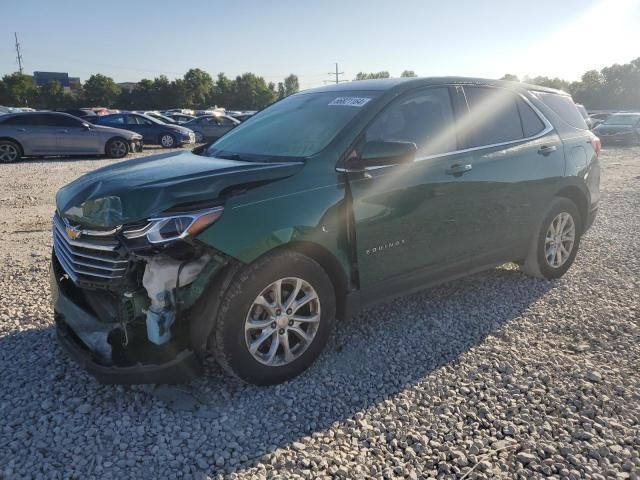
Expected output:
(327, 201)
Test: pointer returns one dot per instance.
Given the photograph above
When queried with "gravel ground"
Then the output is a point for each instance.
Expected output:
(494, 376)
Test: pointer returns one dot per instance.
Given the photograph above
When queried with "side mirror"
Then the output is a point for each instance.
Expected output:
(377, 154)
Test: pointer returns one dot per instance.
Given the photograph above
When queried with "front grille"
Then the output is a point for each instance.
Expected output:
(88, 261)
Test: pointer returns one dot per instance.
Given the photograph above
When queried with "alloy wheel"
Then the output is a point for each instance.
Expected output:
(167, 141)
(8, 153)
(282, 321)
(560, 240)
(117, 148)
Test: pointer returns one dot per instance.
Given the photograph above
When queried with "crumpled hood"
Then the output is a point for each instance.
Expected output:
(134, 190)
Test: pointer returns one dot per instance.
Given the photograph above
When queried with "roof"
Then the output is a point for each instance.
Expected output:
(384, 84)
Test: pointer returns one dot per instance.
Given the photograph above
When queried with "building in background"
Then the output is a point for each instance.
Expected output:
(67, 82)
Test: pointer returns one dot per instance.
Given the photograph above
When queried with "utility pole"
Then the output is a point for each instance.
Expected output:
(337, 75)
(18, 54)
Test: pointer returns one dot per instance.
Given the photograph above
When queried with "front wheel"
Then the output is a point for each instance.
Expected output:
(275, 319)
(167, 140)
(555, 246)
(9, 151)
(117, 148)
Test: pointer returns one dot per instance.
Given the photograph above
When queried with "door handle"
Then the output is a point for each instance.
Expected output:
(458, 169)
(546, 150)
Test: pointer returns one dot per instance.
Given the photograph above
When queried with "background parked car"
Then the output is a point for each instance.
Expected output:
(158, 116)
(83, 113)
(585, 115)
(598, 118)
(153, 131)
(242, 115)
(620, 129)
(55, 133)
(211, 127)
(180, 118)
(185, 111)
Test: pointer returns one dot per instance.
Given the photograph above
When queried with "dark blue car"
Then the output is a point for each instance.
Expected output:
(153, 131)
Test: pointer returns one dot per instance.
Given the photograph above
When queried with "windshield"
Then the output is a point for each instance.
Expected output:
(622, 120)
(298, 126)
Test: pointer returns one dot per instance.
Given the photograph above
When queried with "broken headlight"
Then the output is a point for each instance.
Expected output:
(175, 227)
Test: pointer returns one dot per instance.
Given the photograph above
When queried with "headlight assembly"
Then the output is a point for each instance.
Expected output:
(175, 227)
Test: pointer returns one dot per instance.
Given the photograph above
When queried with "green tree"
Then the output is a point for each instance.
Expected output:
(371, 76)
(100, 90)
(198, 87)
(52, 95)
(556, 83)
(281, 92)
(291, 85)
(510, 77)
(19, 91)
(224, 91)
(408, 73)
(252, 92)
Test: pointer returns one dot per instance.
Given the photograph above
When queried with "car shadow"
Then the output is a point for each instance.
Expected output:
(369, 359)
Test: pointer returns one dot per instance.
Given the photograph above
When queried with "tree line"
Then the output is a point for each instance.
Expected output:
(196, 89)
(613, 87)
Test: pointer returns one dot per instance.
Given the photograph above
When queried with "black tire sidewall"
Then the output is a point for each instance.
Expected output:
(559, 205)
(14, 145)
(230, 346)
(126, 144)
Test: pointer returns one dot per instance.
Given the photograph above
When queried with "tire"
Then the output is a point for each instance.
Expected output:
(167, 140)
(9, 151)
(543, 259)
(240, 307)
(117, 148)
(199, 137)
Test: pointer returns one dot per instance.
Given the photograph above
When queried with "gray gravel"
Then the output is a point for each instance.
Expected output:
(494, 376)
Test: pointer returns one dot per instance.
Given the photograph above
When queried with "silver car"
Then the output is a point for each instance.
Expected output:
(53, 133)
(210, 127)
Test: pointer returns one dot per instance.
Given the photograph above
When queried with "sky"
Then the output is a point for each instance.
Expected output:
(135, 39)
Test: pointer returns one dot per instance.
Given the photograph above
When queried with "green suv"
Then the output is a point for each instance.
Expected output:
(327, 201)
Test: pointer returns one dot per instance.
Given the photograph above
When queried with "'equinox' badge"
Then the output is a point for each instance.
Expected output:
(384, 246)
(72, 232)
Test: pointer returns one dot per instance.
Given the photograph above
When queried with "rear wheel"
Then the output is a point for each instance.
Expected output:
(555, 246)
(9, 151)
(275, 319)
(117, 148)
(167, 140)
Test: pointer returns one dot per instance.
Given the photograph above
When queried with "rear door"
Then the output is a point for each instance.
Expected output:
(33, 134)
(71, 135)
(516, 166)
(407, 215)
(143, 126)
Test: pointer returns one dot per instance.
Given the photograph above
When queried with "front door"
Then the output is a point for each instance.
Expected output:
(406, 216)
(72, 137)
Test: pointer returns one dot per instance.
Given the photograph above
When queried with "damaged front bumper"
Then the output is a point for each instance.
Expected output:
(87, 340)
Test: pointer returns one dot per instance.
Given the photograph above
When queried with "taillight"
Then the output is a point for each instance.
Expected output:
(597, 146)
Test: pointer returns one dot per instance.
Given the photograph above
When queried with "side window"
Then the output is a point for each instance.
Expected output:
(226, 121)
(64, 121)
(19, 120)
(130, 120)
(564, 107)
(142, 120)
(113, 120)
(424, 118)
(493, 116)
(531, 123)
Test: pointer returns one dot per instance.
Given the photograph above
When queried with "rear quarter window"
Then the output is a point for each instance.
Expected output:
(564, 107)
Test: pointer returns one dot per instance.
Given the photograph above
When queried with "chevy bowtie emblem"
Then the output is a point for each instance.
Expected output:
(72, 232)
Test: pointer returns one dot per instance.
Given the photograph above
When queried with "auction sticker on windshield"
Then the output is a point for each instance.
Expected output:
(350, 101)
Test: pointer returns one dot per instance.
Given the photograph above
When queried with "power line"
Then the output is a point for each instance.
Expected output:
(18, 54)
(337, 75)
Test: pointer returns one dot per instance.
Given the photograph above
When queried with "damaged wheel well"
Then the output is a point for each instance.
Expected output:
(330, 265)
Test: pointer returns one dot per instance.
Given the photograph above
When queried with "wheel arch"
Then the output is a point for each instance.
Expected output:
(115, 137)
(9, 139)
(580, 198)
(329, 263)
